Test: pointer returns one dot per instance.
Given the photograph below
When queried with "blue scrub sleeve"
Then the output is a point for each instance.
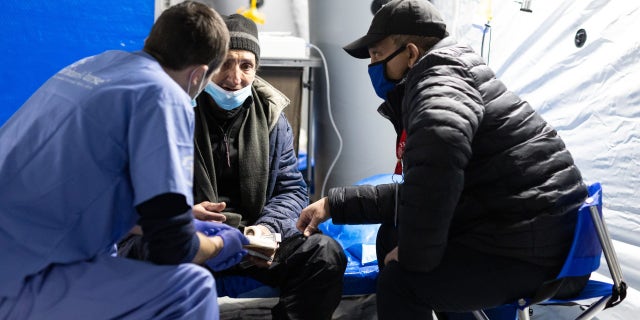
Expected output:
(167, 229)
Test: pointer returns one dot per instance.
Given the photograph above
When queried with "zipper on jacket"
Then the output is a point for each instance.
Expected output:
(395, 218)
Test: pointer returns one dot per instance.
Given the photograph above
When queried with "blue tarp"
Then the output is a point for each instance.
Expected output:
(38, 38)
(359, 243)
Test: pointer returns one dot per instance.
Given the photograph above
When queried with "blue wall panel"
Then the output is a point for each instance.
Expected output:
(38, 38)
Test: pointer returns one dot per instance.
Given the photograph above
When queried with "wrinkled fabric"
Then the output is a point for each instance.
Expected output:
(115, 288)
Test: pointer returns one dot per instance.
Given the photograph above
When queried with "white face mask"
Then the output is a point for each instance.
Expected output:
(200, 87)
(227, 100)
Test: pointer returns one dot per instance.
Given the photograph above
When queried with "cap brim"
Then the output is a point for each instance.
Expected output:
(360, 48)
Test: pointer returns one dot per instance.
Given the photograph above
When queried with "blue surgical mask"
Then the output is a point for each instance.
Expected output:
(227, 100)
(377, 72)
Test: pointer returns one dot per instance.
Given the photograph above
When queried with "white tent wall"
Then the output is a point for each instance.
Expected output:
(591, 95)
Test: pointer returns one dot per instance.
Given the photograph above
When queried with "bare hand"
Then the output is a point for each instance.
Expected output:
(313, 215)
(209, 211)
(392, 255)
(136, 230)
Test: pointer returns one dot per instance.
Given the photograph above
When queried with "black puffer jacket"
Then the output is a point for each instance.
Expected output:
(481, 168)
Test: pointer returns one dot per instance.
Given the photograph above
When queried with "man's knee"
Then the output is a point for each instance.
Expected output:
(386, 240)
(328, 250)
(196, 276)
(194, 282)
(195, 292)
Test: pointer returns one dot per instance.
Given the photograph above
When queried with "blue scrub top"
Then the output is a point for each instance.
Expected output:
(98, 138)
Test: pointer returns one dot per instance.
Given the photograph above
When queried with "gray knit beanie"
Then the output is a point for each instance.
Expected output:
(243, 33)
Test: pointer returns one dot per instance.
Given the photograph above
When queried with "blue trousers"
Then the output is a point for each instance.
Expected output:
(115, 288)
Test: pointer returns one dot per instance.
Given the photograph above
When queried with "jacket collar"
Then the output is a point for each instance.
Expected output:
(391, 108)
(272, 99)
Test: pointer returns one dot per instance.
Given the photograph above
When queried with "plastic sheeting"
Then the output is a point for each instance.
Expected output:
(359, 244)
(590, 94)
(38, 38)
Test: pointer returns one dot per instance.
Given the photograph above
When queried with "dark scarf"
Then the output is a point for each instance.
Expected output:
(253, 155)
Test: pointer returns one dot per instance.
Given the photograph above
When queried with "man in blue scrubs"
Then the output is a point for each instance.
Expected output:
(104, 144)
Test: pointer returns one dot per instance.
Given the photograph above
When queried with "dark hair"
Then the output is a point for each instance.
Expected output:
(186, 34)
(423, 43)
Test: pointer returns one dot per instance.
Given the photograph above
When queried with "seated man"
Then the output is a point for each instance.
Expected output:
(487, 210)
(246, 175)
(103, 144)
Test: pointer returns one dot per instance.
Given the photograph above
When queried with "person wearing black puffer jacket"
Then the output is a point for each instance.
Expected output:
(487, 210)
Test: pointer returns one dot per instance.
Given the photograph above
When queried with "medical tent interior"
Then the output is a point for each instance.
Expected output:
(577, 62)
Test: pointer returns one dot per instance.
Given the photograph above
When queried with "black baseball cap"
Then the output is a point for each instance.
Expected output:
(408, 17)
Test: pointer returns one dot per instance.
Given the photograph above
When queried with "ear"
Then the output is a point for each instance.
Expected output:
(199, 72)
(414, 54)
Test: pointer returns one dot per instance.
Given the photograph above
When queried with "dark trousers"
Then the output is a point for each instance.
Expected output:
(465, 280)
(308, 271)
